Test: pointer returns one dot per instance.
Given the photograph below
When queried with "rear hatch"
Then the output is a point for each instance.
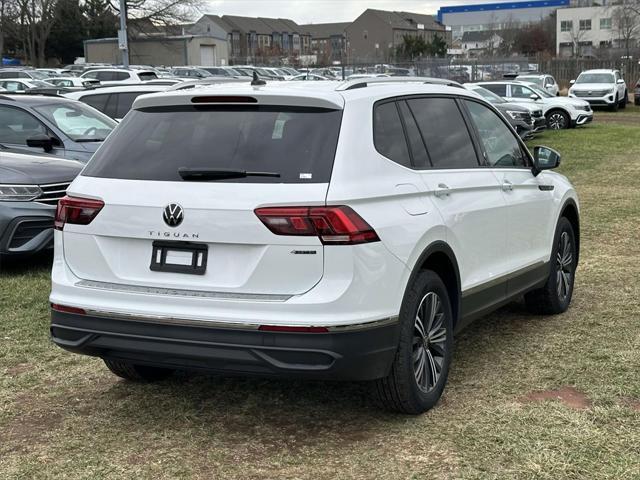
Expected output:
(172, 179)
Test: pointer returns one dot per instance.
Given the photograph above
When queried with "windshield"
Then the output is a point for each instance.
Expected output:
(41, 84)
(487, 95)
(541, 92)
(38, 75)
(78, 121)
(595, 78)
(153, 144)
(532, 79)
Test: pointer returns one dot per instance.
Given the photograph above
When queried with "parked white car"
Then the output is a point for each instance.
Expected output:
(345, 231)
(21, 85)
(543, 81)
(22, 73)
(73, 82)
(115, 76)
(601, 88)
(560, 112)
(115, 101)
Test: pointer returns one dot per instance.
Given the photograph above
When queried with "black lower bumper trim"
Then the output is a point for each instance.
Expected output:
(351, 355)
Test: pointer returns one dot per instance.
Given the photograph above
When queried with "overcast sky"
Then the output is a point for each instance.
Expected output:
(322, 11)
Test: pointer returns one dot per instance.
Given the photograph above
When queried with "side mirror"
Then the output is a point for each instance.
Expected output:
(620, 81)
(533, 96)
(572, 82)
(545, 158)
(41, 141)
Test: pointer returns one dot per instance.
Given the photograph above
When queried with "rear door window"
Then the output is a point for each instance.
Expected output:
(104, 76)
(152, 144)
(119, 76)
(448, 141)
(99, 102)
(124, 102)
(388, 134)
(144, 76)
(498, 89)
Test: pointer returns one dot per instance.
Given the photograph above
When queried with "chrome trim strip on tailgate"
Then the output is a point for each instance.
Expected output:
(175, 292)
(166, 320)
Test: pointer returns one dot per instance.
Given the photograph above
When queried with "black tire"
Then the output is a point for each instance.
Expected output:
(623, 101)
(137, 373)
(556, 294)
(614, 107)
(558, 120)
(400, 391)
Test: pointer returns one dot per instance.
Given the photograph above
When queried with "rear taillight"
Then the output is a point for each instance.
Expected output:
(76, 211)
(338, 225)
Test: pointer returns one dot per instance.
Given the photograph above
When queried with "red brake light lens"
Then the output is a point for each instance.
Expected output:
(338, 225)
(76, 211)
(67, 309)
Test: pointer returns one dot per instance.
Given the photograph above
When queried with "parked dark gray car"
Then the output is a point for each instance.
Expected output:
(521, 117)
(30, 186)
(50, 124)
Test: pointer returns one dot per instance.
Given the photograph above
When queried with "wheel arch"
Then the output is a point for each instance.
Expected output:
(439, 258)
(571, 213)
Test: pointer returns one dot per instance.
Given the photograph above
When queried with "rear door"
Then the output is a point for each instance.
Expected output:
(467, 195)
(136, 175)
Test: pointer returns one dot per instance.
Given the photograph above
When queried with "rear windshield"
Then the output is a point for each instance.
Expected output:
(144, 76)
(152, 144)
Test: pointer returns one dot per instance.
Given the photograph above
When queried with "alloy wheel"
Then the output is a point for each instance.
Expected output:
(429, 342)
(557, 121)
(564, 265)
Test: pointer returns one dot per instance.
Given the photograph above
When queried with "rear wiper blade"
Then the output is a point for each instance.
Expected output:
(89, 140)
(220, 173)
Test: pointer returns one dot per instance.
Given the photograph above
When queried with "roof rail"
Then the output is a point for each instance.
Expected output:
(365, 82)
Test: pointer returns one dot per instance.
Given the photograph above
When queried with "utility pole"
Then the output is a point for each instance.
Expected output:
(123, 43)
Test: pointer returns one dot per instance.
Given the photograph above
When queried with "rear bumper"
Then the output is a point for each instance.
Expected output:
(362, 353)
(25, 227)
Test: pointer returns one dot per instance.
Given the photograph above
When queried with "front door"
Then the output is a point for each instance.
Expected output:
(530, 221)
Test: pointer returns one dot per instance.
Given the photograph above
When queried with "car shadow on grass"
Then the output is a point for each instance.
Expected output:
(297, 413)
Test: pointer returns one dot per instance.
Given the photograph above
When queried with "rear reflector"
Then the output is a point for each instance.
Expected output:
(281, 328)
(67, 309)
(338, 225)
(76, 211)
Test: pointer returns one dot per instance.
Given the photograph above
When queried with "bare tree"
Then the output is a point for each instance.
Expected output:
(36, 18)
(161, 12)
(7, 14)
(626, 23)
(576, 34)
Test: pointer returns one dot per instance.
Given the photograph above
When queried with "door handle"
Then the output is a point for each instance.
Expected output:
(507, 186)
(443, 190)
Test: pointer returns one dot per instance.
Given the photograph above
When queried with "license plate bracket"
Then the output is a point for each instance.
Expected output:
(179, 257)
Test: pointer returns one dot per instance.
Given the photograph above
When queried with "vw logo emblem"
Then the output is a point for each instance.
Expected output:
(173, 214)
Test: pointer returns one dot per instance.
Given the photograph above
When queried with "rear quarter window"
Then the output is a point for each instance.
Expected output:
(152, 144)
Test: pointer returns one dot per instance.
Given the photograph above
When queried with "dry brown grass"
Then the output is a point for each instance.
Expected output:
(65, 416)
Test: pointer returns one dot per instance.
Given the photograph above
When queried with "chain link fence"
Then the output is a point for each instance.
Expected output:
(486, 69)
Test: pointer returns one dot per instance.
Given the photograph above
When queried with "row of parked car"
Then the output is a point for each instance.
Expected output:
(72, 125)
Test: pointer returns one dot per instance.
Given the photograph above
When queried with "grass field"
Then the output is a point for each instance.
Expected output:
(65, 416)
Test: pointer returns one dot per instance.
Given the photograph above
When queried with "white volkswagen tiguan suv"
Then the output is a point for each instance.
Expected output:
(342, 232)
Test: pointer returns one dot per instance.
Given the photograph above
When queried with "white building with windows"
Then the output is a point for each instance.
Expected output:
(582, 30)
